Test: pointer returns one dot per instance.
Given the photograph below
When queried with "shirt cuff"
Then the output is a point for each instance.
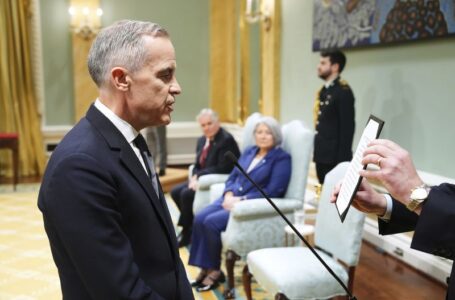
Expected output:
(388, 212)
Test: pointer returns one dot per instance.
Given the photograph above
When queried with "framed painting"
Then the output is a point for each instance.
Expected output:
(356, 23)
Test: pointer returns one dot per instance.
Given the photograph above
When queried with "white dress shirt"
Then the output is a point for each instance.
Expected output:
(124, 127)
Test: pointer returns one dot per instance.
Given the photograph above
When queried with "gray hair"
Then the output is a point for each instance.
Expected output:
(274, 126)
(122, 45)
(207, 111)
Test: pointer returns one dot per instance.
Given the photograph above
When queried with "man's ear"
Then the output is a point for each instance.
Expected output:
(336, 68)
(120, 78)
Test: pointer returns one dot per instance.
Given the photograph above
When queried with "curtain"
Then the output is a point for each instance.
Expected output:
(18, 100)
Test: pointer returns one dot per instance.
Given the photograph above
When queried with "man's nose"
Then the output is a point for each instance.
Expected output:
(175, 88)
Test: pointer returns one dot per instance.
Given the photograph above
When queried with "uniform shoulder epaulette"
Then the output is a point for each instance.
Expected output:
(344, 83)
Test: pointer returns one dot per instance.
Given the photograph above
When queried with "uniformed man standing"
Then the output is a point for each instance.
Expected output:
(333, 115)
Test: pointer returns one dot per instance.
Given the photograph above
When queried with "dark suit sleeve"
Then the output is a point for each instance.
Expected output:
(346, 117)
(278, 181)
(223, 166)
(435, 230)
(401, 220)
(82, 200)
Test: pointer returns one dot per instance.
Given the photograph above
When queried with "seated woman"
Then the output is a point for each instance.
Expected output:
(267, 164)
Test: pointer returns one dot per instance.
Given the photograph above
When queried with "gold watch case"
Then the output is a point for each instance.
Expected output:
(418, 196)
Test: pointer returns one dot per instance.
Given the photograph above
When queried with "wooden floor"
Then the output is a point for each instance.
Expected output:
(173, 176)
(378, 276)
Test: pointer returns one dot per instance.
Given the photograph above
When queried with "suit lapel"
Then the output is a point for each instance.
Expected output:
(213, 148)
(249, 159)
(263, 161)
(168, 217)
(117, 143)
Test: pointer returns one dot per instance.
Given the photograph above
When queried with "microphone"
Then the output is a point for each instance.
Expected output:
(231, 157)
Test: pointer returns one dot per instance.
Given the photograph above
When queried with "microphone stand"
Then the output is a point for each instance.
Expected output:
(230, 156)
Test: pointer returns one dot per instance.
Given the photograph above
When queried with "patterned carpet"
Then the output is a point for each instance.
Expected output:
(27, 271)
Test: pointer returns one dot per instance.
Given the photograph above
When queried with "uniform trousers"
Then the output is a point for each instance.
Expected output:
(322, 170)
(206, 239)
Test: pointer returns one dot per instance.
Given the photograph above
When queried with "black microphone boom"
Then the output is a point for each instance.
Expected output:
(231, 157)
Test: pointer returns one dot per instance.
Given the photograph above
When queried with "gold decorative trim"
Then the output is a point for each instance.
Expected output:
(245, 71)
(223, 59)
(270, 59)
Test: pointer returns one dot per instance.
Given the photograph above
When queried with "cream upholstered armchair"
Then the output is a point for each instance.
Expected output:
(294, 272)
(254, 224)
(202, 196)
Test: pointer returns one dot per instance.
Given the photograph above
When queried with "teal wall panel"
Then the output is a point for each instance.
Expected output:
(57, 63)
(187, 22)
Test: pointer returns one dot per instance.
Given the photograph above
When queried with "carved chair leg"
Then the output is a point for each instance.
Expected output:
(280, 296)
(246, 280)
(231, 258)
(15, 164)
(351, 274)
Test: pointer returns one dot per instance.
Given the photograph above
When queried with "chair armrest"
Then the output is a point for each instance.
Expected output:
(204, 197)
(216, 191)
(190, 171)
(311, 198)
(260, 208)
(205, 181)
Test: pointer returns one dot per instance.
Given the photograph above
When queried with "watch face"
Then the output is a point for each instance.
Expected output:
(419, 194)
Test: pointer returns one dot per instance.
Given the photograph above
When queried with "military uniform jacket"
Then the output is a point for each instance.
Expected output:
(434, 228)
(335, 124)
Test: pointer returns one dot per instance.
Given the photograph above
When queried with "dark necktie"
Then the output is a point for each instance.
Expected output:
(204, 153)
(139, 141)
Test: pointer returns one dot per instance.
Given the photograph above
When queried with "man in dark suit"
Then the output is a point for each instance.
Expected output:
(210, 150)
(333, 115)
(411, 205)
(104, 212)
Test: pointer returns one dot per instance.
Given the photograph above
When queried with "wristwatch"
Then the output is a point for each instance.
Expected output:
(418, 196)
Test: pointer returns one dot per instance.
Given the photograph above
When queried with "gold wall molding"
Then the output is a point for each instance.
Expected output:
(230, 59)
(245, 62)
(223, 59)
(269, 103)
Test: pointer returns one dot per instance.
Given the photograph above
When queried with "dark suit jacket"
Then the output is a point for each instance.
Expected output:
(111, 235)
(434, 228)
(335, 124)
(215, 162)
(272, 174)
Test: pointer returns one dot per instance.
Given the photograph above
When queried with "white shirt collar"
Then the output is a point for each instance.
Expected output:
(124, 127)
(327, 84)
